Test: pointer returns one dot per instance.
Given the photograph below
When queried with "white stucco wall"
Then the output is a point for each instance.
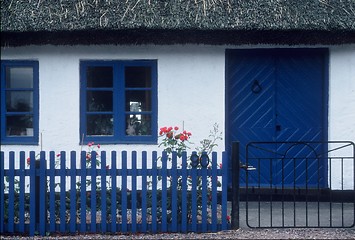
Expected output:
(342, 111)
(191, 91)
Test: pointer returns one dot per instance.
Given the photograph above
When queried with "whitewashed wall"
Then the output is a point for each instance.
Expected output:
(191, 91)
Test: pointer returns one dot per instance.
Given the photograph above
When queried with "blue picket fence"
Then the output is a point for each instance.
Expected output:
(126, 192)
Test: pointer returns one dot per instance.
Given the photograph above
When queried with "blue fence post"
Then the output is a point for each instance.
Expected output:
(73, 197)
(124, 192)
(134, 192)
(113, 191)
(22, 193)
(42, 193)
(235, 185)
(103, 193)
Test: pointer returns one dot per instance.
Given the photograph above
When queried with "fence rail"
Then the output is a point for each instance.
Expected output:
(123, 192)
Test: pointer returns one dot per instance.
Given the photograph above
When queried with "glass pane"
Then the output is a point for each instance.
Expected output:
(19, 77)
(19, 125)
(19, 101)
(99, 77)
(99, 101)
(138, 124)
(101, 124)
(138, 77)
(137, 101)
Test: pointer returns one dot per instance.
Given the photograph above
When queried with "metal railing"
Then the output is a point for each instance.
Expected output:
(299, 184)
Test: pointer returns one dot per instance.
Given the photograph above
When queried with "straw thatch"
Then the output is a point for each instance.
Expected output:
(177, 21)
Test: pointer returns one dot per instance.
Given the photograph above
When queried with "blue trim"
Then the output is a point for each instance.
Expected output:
(119, 113)
(30, 140)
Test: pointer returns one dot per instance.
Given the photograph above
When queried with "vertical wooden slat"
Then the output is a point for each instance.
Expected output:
(134, 192)
(174, 192)
(83, 173)
(42, 194)
(194, 199)
(154, 192)
(113, 190)
(144, 192)
(62, 191)
(224, 190)
(93, 192)
(103, 193)
(124, 209)
(11, 209)
(204, 196)
(22, 193)
(164, 192)
(32, 193)
(184, 192)
(2, 189)
(214, 179)
(52, 207)
(72, 191)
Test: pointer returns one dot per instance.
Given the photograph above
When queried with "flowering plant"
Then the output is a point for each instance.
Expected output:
(177, 141)
(174, 141)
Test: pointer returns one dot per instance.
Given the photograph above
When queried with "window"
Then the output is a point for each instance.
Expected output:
(19, 102)
(119, 101)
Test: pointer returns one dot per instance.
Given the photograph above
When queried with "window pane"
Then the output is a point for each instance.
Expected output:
(19, 77)
(99, 77)
(99, 101)
(137, 101)
(19, 101)
(138, 77)
(101, 124)
(19, 125)
(139, 124)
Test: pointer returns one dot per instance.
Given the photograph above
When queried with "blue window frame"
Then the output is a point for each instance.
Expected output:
(19, 102)
(118, 101)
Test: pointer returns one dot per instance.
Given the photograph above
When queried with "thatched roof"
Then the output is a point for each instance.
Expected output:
(177, 21)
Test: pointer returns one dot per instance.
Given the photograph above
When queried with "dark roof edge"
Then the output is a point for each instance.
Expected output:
(170, 37)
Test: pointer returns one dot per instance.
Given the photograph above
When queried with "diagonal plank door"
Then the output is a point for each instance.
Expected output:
(275, 95)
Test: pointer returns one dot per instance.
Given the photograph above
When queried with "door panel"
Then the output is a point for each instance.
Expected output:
(288, 107)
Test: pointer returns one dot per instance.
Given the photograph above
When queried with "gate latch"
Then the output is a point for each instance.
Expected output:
(247, 167)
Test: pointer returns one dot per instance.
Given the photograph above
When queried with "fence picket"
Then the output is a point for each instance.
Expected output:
(42, 194)
(62, 191)
(83, 173)
(32, 193)
(154, 193)
(134, 192)
(184, 192)
(51, 173)
(144, 192)
(121, 194)
(93, 192)
(124, 191)
(214, 178)
(164, 193)
(72, 191)
(174, 191)
(103, 202)
(194, 200)
(113, 191)
(22, 193)
(11, 191)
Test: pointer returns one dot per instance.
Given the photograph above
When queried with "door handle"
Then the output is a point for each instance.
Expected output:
(278, 127)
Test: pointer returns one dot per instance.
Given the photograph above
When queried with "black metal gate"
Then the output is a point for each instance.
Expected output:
(308, 184)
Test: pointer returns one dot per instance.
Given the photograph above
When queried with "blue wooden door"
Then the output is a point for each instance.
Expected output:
(277, 95)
